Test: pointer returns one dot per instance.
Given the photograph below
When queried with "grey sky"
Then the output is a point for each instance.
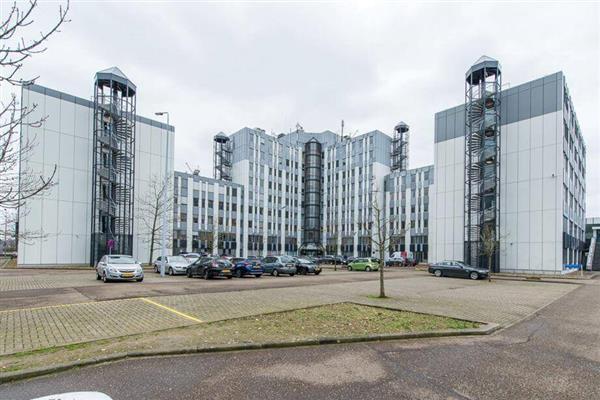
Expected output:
(220, 67)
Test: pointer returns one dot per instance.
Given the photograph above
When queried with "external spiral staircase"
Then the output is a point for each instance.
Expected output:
(482, 149)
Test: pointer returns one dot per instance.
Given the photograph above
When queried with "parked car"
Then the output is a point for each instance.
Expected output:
(174, 265)
(245, 266)
(364, 264)
(305, 266)
(339, 260)
(191, 257)
(457, 269)
(277, 265)
(119, 267)
(395, 262)
(210, 267)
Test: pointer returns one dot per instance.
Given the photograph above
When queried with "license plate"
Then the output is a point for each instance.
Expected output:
(128, 275)
(225, 270)
(256, 267)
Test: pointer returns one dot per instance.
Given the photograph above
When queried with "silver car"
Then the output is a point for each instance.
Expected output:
(118, 267)
(175, 265)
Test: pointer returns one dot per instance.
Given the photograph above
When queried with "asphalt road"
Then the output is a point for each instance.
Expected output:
(554, 355)
(86, 288)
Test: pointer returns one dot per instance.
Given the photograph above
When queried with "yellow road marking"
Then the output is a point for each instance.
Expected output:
(174, 311)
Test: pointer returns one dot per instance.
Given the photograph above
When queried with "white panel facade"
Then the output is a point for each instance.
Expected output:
(56, 225)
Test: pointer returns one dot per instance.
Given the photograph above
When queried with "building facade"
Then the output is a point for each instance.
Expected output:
(407, 210)
(207, 215)
(58, 225)
(536, 190)
(302, 193)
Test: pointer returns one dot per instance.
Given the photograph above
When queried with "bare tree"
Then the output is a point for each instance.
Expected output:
(379, 235)
(18, 182)
(489, 246)
(151, 210)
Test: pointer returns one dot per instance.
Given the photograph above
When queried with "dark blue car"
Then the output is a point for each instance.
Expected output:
(245, 266)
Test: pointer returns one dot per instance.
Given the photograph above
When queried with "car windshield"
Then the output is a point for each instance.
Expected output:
(177, 259)
(223, 263)
(304, 261)
(287, 259)
(121, 259)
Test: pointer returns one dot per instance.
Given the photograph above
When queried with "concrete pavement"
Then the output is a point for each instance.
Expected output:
(554, 355)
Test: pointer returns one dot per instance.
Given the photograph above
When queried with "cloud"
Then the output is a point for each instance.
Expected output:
(220, 67)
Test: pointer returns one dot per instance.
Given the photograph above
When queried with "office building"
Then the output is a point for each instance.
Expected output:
(509, 163)
(106, 157)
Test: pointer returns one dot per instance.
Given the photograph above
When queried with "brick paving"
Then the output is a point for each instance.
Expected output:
(502, 302)
(50, 279)
(35, 328)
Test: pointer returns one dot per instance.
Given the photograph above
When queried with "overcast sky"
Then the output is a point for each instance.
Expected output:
(220, 67)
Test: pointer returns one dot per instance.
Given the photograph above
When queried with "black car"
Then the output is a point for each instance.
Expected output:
(457, 269)
(332, 260)
(305, 266)
(209, 267)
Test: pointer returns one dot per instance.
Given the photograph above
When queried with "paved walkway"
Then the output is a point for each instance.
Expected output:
(503, 302)
(554, 355)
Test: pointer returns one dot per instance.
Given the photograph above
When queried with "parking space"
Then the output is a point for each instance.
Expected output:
(162, 303)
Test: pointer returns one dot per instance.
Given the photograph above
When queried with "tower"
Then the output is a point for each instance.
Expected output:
(483, 82)
(311, 205)
(113, 164)
(222, 157)
(400, 147)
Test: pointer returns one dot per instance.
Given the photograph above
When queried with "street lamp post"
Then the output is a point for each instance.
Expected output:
(163, 233)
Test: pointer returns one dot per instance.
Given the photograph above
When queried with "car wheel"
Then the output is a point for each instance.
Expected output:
(438, 273)
(170, 271)
(189, 272)
(205, 275)
(98, 277)
(229, 277)
(238, 273)
(275, 272)
(474, 276)
(349, 268)
(368, 269)
(139, 280)
(317, 272)
(258, 276)
(292, 274)
(302, 272)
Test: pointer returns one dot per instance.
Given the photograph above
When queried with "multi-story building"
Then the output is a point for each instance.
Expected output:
(207, 215)
(510, 166)
(306, 193)
(407, 210)
(106, 157)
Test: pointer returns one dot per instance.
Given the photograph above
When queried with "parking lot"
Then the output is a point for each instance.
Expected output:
(45, 308)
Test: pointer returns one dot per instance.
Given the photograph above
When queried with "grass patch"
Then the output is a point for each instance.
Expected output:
(343, 319)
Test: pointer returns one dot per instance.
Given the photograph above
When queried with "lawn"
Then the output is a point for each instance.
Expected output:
(344, 319)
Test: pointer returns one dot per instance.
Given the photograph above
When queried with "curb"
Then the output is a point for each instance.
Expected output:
(566, 281)
(486, 329)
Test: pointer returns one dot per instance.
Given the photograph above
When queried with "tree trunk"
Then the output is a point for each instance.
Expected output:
(152, 238)
(490, 268)
(381, 265)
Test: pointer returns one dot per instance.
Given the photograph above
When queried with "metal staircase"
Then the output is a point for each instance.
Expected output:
(113, 164)
(482, 164)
